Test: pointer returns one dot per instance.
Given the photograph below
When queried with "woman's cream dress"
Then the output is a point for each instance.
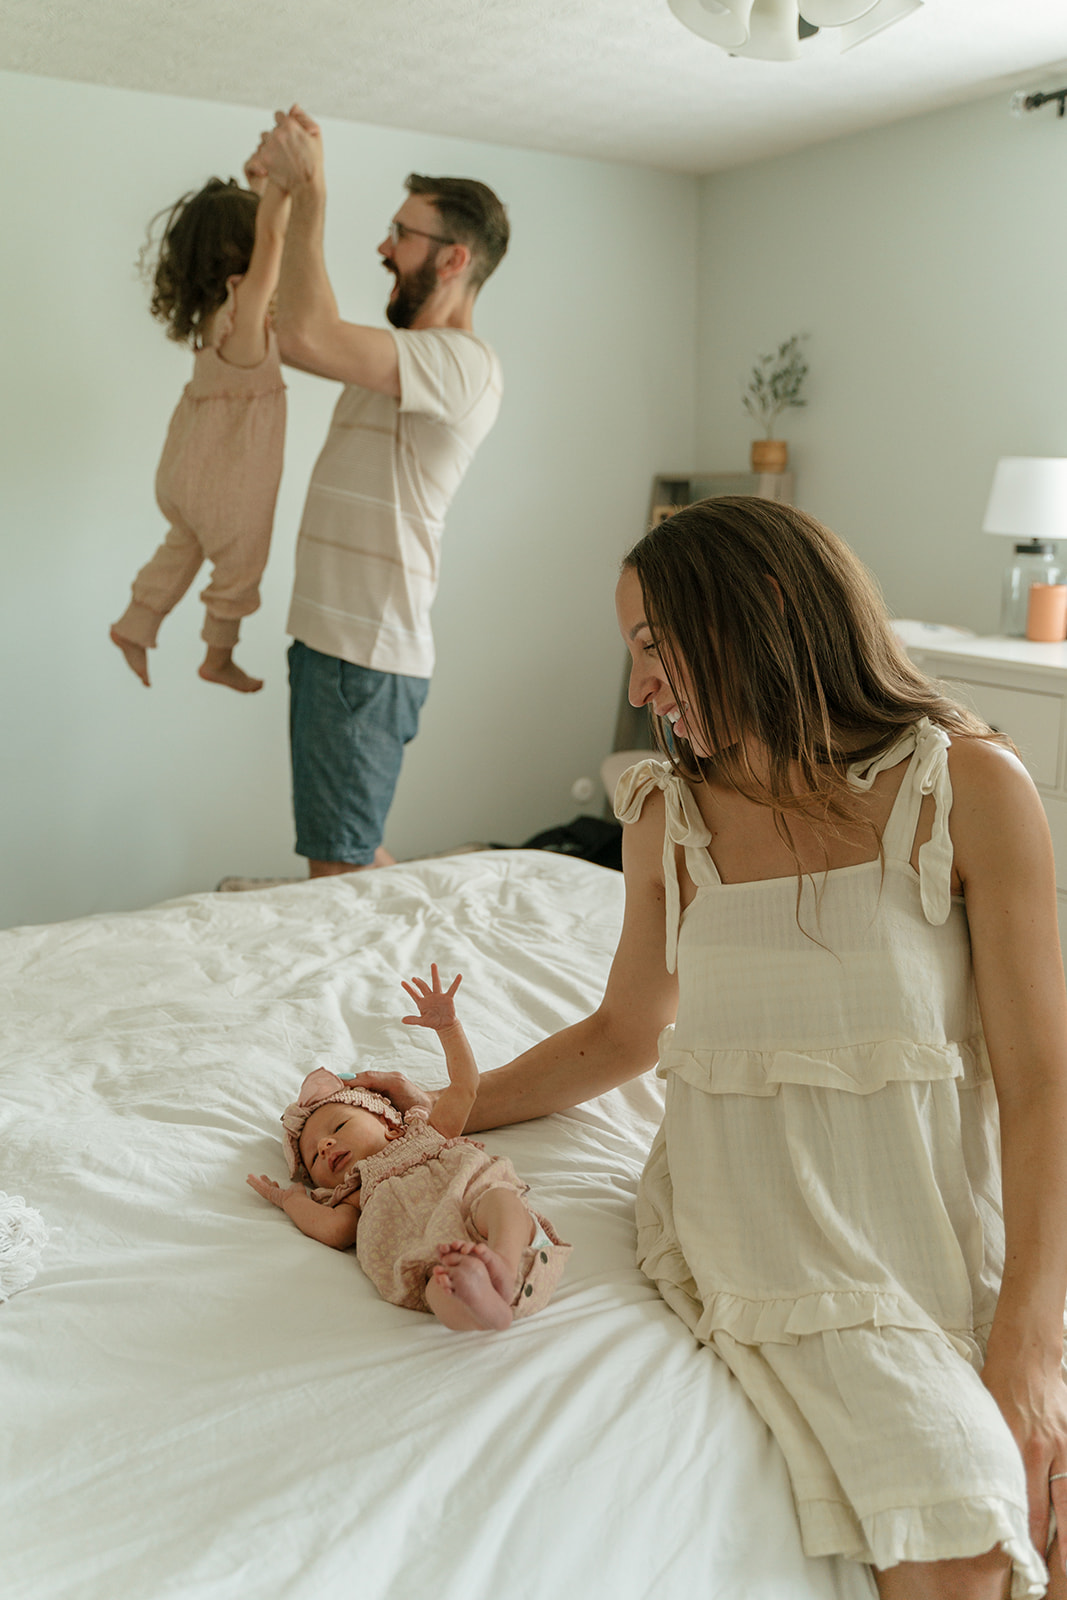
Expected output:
(822, 1204)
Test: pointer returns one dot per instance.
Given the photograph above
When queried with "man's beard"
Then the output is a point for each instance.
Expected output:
(412, 293)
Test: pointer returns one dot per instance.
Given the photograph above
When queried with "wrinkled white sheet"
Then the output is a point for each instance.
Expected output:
(197, 1401)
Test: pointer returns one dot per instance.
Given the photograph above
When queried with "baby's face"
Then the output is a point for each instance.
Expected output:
(337, 1136)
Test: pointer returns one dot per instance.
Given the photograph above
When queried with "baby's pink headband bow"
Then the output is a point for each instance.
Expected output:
(323, 1088)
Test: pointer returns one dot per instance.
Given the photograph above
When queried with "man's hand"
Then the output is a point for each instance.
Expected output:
(299, 115)
(291, 153)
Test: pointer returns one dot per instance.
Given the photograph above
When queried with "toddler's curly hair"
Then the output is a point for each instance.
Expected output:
(207, 237)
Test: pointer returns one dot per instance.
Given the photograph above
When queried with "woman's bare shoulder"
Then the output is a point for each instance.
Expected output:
(644, 824)
(986, 771)
(997, 815)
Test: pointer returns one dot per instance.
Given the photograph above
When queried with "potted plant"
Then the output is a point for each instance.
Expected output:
(775, 383)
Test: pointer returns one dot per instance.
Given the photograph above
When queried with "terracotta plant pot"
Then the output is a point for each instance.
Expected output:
(769, 455)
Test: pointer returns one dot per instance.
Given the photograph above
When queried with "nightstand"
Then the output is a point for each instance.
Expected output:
(1020, 689)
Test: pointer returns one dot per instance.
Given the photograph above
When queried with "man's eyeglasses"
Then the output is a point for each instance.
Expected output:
(400, 230)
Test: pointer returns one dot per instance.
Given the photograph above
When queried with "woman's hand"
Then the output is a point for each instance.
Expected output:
(435, 1007)
(273, 1191)
(405, 1095)
(1033, 1400)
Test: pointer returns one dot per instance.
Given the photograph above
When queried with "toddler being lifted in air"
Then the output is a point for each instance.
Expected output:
(217, 479)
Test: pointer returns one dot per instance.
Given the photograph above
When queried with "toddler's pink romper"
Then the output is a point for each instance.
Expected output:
(216, 484)
(418, 1193)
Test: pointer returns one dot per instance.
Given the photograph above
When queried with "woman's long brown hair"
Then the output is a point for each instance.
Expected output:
(783, 639)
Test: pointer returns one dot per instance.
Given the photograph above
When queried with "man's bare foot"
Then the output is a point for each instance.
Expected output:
(218, 666)
(467, 1279)
(501, 1276)
(136, 656)
(334, 869)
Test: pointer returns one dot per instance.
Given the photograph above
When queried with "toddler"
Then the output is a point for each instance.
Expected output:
(217, 479)
(438, 1224)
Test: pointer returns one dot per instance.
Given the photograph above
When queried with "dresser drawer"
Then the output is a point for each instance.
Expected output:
(1032, 721)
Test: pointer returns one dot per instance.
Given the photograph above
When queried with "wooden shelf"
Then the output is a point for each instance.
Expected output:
(671, 491)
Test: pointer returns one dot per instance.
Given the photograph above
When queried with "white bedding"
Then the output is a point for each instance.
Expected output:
(197, 1401)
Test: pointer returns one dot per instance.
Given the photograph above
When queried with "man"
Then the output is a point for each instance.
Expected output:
(419, 399)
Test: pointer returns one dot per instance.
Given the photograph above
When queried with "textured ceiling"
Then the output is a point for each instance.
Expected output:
(621, 80)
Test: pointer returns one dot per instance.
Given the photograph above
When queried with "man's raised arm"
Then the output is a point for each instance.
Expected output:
(311, 333)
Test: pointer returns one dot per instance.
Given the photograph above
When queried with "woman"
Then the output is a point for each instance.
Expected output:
(841, 911)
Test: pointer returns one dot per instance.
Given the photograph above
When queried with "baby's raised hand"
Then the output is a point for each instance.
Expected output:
(273, 1191)
(255, 175)
(435, 1007)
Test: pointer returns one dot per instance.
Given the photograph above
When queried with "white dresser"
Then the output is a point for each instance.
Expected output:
(1020, 689)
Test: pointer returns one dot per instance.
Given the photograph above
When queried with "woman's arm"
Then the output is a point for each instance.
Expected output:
(618, 1041)
(1003, 854)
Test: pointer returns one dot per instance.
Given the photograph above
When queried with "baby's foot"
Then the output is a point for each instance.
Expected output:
(229, 674)
(136, 655)
(467, 1278)
(501, 1276)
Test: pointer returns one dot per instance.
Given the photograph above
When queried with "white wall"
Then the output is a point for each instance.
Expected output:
(114, 796)
(927, 262)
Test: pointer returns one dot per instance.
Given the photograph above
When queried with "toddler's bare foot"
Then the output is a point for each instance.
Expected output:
(468, 1280)
(501, 1276)
(219, 667)
(382, 858)
(136, 656)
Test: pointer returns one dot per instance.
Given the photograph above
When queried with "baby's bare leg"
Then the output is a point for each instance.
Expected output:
(507, 1228)
(483, 1275)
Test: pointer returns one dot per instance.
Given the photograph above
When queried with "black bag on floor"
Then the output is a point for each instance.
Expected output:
(590, 838)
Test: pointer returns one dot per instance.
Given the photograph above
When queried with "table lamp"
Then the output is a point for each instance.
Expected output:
(1027, 503)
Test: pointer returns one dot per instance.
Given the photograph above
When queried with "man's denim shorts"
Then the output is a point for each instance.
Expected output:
(348, 726)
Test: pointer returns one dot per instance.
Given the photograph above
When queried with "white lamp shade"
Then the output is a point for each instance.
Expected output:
(1028, 499)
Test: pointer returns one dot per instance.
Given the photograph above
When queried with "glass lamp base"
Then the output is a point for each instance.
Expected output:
(1033, 562)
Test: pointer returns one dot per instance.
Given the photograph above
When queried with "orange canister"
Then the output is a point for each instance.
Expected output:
(1046, 613)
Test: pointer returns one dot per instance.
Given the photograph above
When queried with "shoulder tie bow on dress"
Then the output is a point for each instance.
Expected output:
(684, 826)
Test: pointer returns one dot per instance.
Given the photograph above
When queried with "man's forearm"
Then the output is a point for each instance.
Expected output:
(307, 309)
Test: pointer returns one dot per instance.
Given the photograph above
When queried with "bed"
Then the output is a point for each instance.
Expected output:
(196, 1401)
